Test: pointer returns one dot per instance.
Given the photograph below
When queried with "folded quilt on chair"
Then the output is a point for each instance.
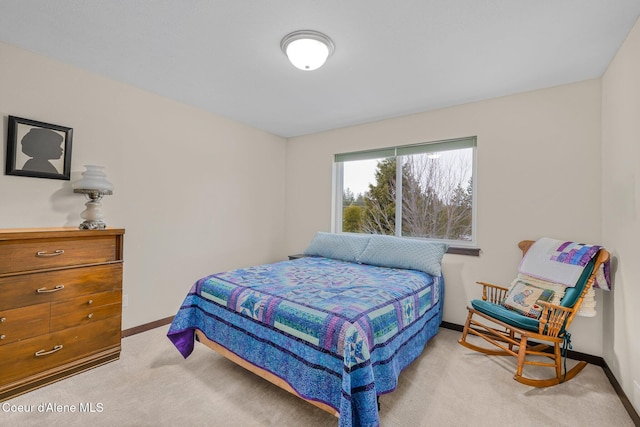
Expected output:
(563, 262)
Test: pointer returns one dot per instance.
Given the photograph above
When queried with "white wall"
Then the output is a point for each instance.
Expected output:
(621, 211)
(538, 175)
(195, 192)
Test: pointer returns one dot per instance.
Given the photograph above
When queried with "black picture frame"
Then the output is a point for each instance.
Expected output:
(37, 149)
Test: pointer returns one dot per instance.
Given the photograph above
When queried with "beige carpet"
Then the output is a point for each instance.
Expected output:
(449, 385)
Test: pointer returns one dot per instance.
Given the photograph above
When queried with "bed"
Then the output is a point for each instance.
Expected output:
(335, 327)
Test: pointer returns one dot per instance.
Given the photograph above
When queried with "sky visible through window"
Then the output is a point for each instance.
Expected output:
(359, 174)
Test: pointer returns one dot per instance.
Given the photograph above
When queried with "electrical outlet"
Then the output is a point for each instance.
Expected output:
(636, 395)
(125, 301)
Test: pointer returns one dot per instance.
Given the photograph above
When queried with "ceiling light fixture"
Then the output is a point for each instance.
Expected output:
(306, 49)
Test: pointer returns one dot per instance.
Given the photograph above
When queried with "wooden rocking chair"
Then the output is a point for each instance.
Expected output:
(516, 335)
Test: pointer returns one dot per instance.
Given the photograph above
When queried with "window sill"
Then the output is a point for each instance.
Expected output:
(455, 250)
(461, 250)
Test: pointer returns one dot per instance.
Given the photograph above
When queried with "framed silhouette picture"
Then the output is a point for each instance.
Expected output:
(38, 149)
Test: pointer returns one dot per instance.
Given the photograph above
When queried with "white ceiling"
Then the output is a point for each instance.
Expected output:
(392, 58)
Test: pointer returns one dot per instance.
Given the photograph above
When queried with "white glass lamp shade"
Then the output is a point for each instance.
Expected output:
(93, 179)
(307, 50)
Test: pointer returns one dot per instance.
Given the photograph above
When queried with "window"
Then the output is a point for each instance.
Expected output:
(422, 190)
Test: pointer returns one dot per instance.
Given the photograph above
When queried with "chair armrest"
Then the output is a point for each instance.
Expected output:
(494, 293)
(553, 318)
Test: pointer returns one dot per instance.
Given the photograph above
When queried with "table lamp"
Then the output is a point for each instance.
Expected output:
(94, 185)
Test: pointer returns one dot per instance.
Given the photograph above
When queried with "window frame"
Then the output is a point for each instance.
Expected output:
(456, 246)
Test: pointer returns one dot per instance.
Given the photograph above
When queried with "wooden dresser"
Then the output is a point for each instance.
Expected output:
(60, 304)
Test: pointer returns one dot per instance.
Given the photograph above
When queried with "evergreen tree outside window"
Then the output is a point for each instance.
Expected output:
(420, 191)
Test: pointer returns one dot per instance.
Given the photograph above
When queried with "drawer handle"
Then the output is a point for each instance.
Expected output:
(3, 319)
(2, 337)
(45, 290)
(46, 254)
(45, 353)
(90, 302)
(90, 316)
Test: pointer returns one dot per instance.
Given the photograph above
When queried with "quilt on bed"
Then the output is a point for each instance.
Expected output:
(338, 332)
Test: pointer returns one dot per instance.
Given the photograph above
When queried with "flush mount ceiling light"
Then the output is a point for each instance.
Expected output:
(306, 49)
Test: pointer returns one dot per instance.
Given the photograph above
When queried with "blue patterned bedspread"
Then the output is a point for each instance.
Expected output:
(338, 332)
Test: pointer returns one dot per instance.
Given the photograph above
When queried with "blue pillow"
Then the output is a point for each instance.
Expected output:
(344, 247)
(398, 252)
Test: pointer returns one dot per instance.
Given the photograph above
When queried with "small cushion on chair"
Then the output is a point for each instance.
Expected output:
(558, 289)
(523, 298)
(505, 315)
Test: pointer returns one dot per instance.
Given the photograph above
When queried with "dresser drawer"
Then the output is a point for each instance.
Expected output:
(22, 323)
(36, 254)
(22, 290)
(20, 360)
(85, 309)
